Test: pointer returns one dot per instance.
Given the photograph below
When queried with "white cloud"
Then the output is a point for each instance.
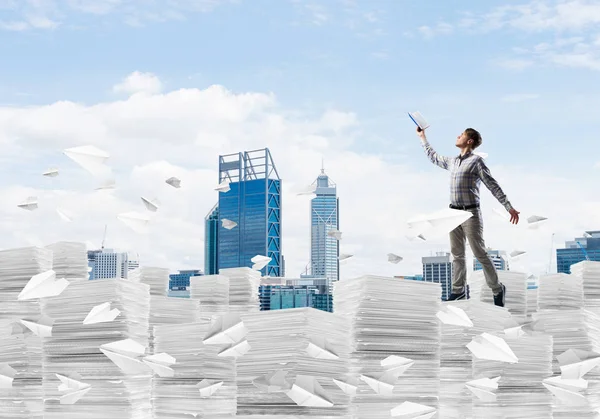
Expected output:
(181, 133)
(513, 64)
(519, 97)
(138, 82)
(441, 28)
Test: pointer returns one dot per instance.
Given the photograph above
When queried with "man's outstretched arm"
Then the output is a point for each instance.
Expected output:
(496, 190)
(435, 158)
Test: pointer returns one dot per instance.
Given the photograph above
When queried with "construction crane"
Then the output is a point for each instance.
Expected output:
(104, 236)
(583, 250)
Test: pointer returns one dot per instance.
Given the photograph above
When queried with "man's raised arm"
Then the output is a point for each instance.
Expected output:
(435, 158)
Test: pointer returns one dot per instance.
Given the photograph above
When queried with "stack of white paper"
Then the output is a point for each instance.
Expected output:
(203, 384)
(212, 291)
(21, 394)
(516, 293)
(560, 291)
(476, 282)
(173, 311)
(156, 278)
(589, 272)
(294, 357)
(243, 289)
(392, 317)
(532, 296)
(99, 338)
(70, 260)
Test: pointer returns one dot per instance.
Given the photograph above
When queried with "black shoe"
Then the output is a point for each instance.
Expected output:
(459, 296)
(500, 298)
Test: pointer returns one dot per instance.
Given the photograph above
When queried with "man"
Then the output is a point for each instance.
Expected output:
(466, 172)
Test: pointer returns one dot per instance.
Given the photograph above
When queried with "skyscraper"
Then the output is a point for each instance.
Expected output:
(211, 241)
(181, 280)
(577, 250)
(106, 263)
(254, 203)
(324, 217)
(438, 269)
(499, 260)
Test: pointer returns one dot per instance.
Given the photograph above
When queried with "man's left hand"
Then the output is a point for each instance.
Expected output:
(514, 216)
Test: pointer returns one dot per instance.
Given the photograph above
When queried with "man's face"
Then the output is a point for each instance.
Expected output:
(462, 140)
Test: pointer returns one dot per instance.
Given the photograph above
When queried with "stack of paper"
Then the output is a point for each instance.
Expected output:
(156, 278)
(243, 289)
(521, 361)
(212, 291)
(70, 260)
(461, 321)
(532, 296)
(589, 272)
(173, 311)
(99, 339)
(516, 293)
(294, 357)
(203, 382)
(21, 393)
(560, 291)
(476, 282)
(392, 317)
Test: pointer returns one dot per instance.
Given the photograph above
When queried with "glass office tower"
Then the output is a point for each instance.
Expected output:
(580, 249)
(211, 242)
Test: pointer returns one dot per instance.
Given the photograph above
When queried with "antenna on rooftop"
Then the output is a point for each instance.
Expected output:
(104, 236)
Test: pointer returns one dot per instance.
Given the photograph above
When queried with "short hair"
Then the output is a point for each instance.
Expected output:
(473, 134)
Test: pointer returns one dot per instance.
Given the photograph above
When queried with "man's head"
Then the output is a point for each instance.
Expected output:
(469, 139)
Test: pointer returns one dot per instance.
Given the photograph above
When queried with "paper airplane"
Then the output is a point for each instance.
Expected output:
(7, 376)
(576, 363)
(536, 221)
(30, 204)
(225, 330)
(502, 214)
(568, 397)
(73, 388)
(380, 383)
(274, 382)
(309, 190)
(43, 285)
(151, 204)
(335, 233)
(63, 216)
(123, 354)
(161, 364)
(345, 256)
(90, 158)
(438, 223)
(174, 182)
(516, 253)
(106, 185)
(101, 314)
(224, 186)
(409, 410)
(349, 387)
(484, 388)
(392, 258)
(136, 221)
(514, 332)
(260, 262)
(41, 327)
(52, 172)
(320, 348)
(492, 348)
(481, 154)
(419, 120)
(455, 316)
(236, 350)
(228, 224)
(396, 365)
(306, 391)
(572, 385)
(208, 387)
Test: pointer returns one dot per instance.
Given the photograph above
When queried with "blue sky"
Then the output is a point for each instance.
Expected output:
(523, 73)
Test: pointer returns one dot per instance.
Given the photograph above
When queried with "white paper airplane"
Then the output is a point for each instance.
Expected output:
(349, 387)
(396, 365)
(74, 396)
(481, 154)
(392, 258)
(320, 348)
(151, 204)
(517, 253)
(514, 332)
(260, 262)
(309, 190)
(208, 387)
(344, 256)
(502, 214)
(136, 221)
(30, 204)
(409, 410)
(7, 376)
(228, 224)
(161, 364)
(492, 348)
(438, 223)
(536, 221)
(572, 385)
(224, 186)
(381, 383)
(455, 316)
(63, 216)
(576, 363)
(101, 314)
(41, 327)
(174, 182)
(52, 172)
(73, 388)
(107, 185)
(484, 388)
(236, 350)
(90, 158)
(335, 234)
(571, 398)
(274, 382)
(43, 285)
(124, 353)
(225, 330)
(306, 391)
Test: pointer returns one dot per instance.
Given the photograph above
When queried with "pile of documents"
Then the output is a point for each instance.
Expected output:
(396, 337)
(174, 311)
(533, 296)
(93, 362)
(21, 393)
(589, 272)
(476, 282)
(212, 291)
(156, 278)
(70, 260)
(201, 382)
(297, 364)
(243, 289)
(560, 291)
(516, 293)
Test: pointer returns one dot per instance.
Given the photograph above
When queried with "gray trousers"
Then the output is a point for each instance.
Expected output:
(471, 230)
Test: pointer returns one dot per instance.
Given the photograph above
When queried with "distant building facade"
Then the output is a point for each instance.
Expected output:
(438, 269)
(576, 251)
(295, 293)
(181, 280)
(498, 257)
(211, 242)
(106, 263)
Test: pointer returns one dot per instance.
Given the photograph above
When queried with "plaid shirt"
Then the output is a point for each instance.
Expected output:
(466, 173)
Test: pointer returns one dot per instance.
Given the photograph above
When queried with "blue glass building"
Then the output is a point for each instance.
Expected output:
(296, 293)
(576, 251)
(181, 281)
(211, 242)
(254, 203)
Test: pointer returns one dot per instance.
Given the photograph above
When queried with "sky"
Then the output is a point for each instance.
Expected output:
(166, 86)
